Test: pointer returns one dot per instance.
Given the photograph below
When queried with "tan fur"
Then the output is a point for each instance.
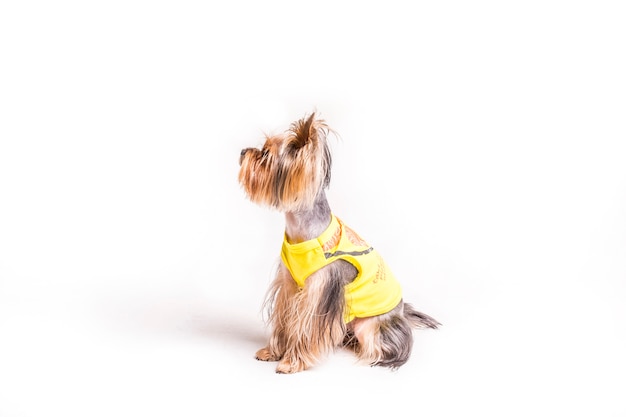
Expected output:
(307, 167)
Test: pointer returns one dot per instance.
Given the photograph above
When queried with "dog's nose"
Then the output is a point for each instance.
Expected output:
(242, 154)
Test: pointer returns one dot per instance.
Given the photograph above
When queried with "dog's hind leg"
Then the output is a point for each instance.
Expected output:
(387, 340)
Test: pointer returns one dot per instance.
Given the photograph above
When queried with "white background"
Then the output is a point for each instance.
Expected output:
(481, 151)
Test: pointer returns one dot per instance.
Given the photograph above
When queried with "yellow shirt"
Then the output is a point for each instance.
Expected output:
(374, 291)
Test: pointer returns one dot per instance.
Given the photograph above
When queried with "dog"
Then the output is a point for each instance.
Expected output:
(331, 289)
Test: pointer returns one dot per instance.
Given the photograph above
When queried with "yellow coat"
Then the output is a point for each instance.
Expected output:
(374, 291)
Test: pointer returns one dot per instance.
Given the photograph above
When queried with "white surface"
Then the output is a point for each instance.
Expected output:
(481, 151)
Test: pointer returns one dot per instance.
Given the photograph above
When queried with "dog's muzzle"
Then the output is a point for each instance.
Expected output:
(243, 154)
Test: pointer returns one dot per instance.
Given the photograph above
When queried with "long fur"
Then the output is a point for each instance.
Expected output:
(289, 173)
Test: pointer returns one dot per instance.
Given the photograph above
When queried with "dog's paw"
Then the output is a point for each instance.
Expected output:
(290, 366)
(265, 355)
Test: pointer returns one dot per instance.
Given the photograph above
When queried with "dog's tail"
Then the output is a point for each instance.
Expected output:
(419, 320)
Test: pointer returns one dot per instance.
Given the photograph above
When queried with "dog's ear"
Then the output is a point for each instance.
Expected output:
(305, 131)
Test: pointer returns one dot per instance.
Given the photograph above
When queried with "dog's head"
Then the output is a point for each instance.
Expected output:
(290, 169)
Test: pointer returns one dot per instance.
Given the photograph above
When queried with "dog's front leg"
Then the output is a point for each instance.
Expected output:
(315, 326)
(279, 306)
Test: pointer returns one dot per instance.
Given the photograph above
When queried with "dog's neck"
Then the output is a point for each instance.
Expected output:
(309, 223)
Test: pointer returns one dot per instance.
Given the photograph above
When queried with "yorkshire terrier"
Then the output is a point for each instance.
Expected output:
(331, 289)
